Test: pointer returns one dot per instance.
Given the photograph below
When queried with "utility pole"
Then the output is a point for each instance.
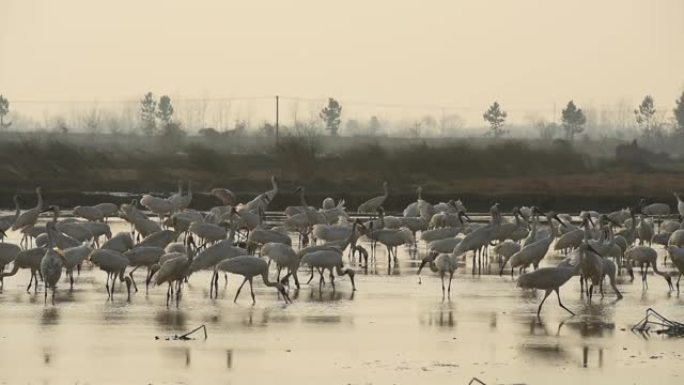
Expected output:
(277, 118)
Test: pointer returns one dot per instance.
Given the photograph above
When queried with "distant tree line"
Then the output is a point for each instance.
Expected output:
(156, 117)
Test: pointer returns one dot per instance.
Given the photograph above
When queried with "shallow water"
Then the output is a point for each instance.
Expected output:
(392, 330)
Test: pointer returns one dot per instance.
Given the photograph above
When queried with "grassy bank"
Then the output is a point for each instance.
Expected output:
(552, 174)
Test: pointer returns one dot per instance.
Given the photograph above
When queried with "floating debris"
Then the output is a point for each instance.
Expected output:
(186, 336)
(658, 324)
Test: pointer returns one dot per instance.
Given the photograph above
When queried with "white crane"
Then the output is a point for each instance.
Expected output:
(644, 231)
(208, 258)
(413, 209)
(141, 223)
(481, 237)
(645, 256)
(159, 239)
(284, 257)
(28, 259)
(159, 206)
(8, 253)
(552, 278)
(52, 263)
(391, 238)
(175, 270)
(654, 209)
(208, 233)
(107, 209)
(249, 267)
(143, 256)
(179, 201)
(76, 230)
(533, 253)
(74, 258)
(224, 195)
(677, 256)
(28, 218)
(372, 205)
(114, 264)
(6, 221)
(680, 206)
(90, 213)
(443, 264)
(262, 200)
(504, 250)
(328, 258)
(120, 242)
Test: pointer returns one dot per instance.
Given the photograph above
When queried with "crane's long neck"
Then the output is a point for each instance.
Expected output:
(14, 271)
(18, 209)
(352, 235)
(301, 198)
(50, 238)
(386, 191)
(420, 193)
(267, 281)
(39, 205)
(274, 183)
(189, 189)
(554, 229)
(655, 269)
(231, 235)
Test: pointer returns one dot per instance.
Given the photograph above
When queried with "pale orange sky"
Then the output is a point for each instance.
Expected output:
(526, 53)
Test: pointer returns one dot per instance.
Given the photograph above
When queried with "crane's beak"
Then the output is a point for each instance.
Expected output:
(590, 248)
(555, 216)
(591, 221)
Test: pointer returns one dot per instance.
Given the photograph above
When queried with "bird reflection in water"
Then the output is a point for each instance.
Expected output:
(47, 356)
(171, 319)
(585, 357)
(329, 296)
(442, 318)
(176, 352)
(229, 358)
(50, 316)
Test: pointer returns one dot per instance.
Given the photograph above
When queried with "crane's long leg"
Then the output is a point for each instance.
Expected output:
(109, 296)
(113, 283)
(560, 303)
(46, 291)
(28, 288)
(441, 275)
(332, 279)
(546, 295)
(251, 291)
(238, 290)
(133, 280)
(451, 277)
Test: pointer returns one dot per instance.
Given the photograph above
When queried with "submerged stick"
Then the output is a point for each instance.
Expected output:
(186, 336)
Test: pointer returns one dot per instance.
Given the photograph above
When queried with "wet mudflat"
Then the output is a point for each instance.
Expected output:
(392, 330)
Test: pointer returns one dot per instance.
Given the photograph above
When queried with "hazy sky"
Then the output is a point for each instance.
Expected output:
(526, 53)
